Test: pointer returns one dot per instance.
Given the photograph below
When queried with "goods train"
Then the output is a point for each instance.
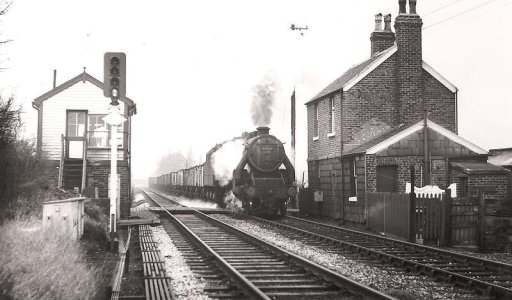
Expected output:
(263, 180)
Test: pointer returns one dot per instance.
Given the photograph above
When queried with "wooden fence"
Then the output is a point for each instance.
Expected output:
(465, 222)
(437, 220)
(388, 213)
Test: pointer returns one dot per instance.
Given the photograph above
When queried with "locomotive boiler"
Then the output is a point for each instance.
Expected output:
(259, 180)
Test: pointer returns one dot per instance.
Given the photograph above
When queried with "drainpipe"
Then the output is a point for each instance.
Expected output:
(425, 152)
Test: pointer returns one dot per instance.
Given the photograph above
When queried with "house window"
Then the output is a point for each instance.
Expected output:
(331, 116)
(98, 133)
(353, 178)
(387, 179)
(316, 129)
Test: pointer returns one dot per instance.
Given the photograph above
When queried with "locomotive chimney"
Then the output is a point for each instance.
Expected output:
(263, 130)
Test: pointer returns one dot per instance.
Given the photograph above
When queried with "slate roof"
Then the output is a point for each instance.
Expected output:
(396, 134)
(348, 75)
(378, 139)
(478, 168)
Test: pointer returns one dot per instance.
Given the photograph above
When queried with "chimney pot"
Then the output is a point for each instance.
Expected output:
(401, 5)
(378, 21)
(412, 7)
(387, 22)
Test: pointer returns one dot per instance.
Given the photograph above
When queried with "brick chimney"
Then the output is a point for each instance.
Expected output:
(381, 39)
(409, 63)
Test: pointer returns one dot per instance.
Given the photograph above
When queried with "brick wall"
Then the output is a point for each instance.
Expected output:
(371, 104)
(381, 40)
(439, 102)
(326, 146)
(403, 164)
(98, 176)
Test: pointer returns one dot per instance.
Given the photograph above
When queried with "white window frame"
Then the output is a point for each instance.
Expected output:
(332, 109)
(316, 122)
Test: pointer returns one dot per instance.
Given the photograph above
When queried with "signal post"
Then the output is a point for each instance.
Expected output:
(114, 86)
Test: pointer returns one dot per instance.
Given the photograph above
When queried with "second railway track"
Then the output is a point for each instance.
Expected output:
(486, 277)
(252, 268)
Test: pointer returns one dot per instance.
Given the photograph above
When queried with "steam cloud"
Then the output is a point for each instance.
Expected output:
(225, 160)
(262, 101)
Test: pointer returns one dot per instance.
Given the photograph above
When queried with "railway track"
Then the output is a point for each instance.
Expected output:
(247, 267)
(489, 278)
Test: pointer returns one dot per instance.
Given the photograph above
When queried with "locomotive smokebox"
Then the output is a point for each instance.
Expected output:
(263, 130)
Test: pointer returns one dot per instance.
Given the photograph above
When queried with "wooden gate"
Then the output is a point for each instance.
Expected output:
(429, 217)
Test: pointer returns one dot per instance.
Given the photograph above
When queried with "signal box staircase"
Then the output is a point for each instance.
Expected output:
(72, 173)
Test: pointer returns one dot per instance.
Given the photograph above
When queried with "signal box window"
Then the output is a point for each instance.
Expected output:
(98, 133)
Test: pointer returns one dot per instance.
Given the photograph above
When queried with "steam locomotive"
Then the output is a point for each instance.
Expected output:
(263, 180)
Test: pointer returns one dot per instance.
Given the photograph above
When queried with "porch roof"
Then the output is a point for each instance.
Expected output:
(478, 168)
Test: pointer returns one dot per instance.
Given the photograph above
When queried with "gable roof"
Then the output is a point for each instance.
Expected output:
(395, 135)
(355, 74)
(84, 76)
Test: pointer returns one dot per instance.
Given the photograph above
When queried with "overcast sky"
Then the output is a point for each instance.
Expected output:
(192, 65)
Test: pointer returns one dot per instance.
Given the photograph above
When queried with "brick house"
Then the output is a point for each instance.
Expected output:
(76, 141)
(390, 112)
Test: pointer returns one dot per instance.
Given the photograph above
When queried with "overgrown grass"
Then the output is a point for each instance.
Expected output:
(38, 264)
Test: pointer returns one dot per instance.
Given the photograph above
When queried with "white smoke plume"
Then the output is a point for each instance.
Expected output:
(225, 160)
(233, 203)
(263, 100)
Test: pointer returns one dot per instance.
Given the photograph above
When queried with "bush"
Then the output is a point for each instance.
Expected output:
(22, 167)
(39, 264)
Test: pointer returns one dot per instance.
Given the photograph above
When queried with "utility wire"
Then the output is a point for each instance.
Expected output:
(484, 12)
(439, 8)
(459, 14)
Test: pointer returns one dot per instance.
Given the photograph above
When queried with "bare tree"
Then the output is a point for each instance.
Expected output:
(4, 7)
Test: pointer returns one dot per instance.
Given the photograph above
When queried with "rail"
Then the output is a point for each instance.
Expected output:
(499, 271)
(250, 288)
